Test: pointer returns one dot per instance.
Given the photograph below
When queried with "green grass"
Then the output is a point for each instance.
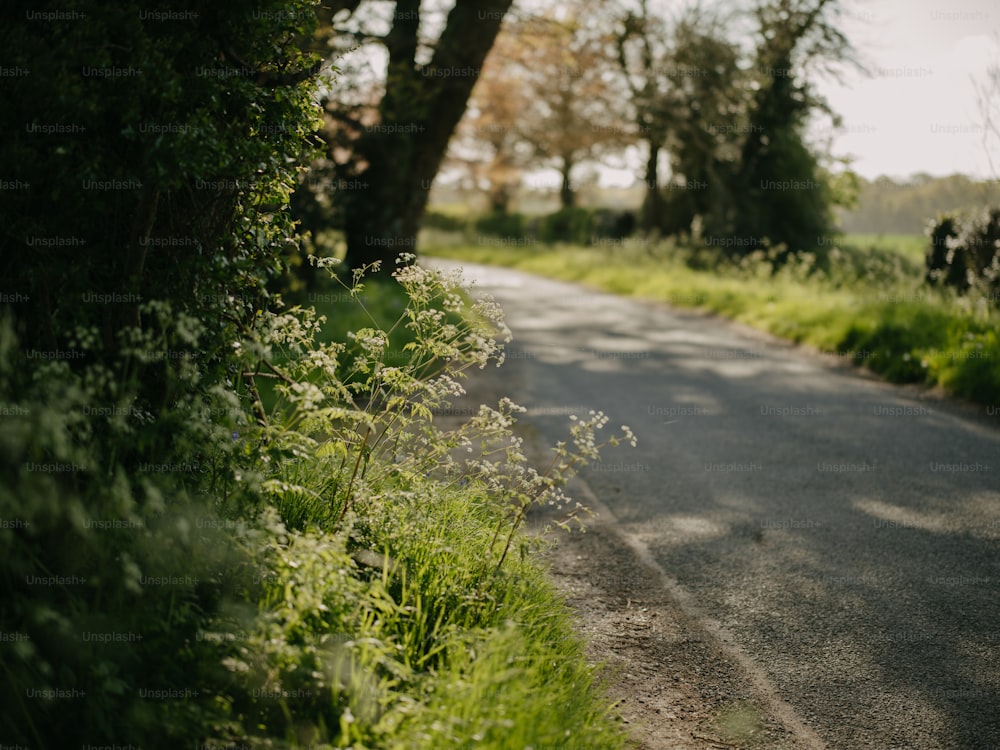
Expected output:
(861, 297)
(912, 245)
(378, 304)
(425, 645)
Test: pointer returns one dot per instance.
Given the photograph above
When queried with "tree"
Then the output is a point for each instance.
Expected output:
(488, 141)
(988, 102)
(784, 196)
(387, 147)
(684, 84)
(548, 97)
(574, 102)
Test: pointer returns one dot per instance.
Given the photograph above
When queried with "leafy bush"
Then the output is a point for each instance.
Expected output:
(612, 224)
(582, 226)
(506, 225)
(964, 253)
(150, 160)
(938, 256)
(446, 222)
(108, 568)
(570, 225)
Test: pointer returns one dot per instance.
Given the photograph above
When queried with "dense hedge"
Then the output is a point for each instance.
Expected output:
(146, 152)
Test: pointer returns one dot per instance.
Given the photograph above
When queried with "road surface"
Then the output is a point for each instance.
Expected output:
(845, 533)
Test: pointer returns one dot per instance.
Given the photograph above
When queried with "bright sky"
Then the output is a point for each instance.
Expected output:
(918, 111)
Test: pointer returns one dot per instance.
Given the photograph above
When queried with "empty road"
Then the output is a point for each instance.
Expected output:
(844, 531)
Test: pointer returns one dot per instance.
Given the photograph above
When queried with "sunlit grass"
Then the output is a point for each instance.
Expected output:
(861, 297)
(445, 649)
(911, 245)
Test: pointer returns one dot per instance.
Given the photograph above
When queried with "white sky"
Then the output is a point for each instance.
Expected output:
(918, 111)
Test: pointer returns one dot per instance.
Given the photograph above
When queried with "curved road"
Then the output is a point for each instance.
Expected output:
(844, 532)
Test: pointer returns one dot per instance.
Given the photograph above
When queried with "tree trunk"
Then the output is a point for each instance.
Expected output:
(652, 204)
(135, 259)
(567, 198)
(499, 197)
(383, 217)
(418, 114)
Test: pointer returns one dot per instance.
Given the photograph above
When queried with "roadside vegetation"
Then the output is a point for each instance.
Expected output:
(359, 581)
(231, 511)
(406, 609)
(863, 298)
(226, 519)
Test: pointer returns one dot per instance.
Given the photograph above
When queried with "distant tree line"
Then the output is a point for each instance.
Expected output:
(888, 206)
(720, 124)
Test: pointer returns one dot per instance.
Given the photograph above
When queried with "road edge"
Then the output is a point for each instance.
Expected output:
(723, 639)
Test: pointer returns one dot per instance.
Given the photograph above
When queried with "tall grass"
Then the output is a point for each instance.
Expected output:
(419, 646)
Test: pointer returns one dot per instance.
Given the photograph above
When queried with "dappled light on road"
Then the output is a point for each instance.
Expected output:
(896, 516)
(843, 531)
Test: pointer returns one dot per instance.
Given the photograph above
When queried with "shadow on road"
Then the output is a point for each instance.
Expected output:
(846, 532)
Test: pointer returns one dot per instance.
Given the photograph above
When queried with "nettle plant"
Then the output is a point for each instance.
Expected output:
(370, 425)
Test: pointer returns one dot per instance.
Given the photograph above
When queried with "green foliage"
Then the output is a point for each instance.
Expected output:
(572, 225)
(413, 648)
(501, 224)
(784, 196)
(447, 222)
(373, 421)
(182, 140)
(964, 253)
(108, 572)
(780, 195)
(360, 585)
(151, 150)
(179, 560)
(945, 264)
(355, 465)
(580, 226)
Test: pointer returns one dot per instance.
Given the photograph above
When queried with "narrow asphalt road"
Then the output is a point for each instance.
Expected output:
(843, 531)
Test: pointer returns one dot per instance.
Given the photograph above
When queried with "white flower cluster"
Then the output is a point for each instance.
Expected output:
(369, 405)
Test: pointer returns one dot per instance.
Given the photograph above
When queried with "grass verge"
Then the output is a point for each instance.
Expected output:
(390, 614)
(394, 635)
(862, 300)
